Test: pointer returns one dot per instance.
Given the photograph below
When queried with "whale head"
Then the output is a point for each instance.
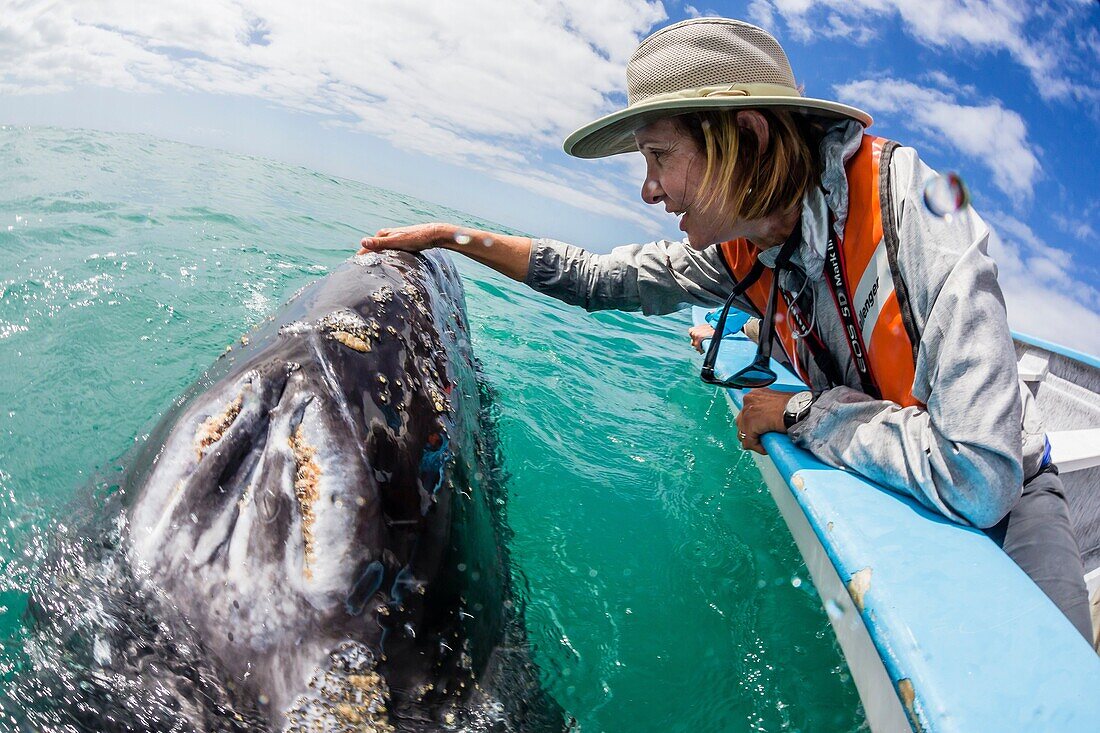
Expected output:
(299, 507)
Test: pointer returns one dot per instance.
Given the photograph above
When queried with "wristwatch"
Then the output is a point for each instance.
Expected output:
(798, 407)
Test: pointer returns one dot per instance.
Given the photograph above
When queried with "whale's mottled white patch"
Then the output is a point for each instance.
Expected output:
(367, 259)
(296, 328)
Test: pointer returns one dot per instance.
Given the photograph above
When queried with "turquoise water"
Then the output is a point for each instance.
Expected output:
(663, 591)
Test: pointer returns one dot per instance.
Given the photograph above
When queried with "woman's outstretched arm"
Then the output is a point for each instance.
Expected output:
(659, 277)
(507, 254)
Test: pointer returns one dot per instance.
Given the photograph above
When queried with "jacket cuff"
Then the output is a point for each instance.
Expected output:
(802, 433)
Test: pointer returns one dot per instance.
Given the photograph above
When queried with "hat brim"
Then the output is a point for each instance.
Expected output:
(614, 133)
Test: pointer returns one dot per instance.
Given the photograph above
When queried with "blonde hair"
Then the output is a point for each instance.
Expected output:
(739, 178)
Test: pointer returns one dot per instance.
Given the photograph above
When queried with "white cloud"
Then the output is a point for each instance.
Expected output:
(490, 85)
(1078, 227)
(762, 13)
(1043, 296)
(1053, 41)
(988, 133)
(950, 84)
(840, 27)
(552, 187)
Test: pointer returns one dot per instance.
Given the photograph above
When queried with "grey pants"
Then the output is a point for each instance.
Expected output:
(1038, 535)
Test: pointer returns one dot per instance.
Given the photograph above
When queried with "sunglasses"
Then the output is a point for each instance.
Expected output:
(759, 373)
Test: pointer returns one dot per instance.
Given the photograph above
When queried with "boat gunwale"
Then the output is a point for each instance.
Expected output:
(1018, 678)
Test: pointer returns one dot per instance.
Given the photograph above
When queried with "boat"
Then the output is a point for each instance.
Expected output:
(940, 629)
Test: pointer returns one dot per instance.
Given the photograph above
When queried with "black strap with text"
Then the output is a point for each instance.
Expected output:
(838, 286)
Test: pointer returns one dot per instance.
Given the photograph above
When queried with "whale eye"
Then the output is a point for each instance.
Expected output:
(370, 580)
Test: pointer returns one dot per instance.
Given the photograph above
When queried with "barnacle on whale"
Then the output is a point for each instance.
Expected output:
(212, 430)
(348, 328)
(348, 696)
(307, 474)
(351, 341)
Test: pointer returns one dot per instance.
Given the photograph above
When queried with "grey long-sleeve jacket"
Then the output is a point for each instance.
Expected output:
(966, 455)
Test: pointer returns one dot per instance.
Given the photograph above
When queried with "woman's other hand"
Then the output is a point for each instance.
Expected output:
(699, 334)
(761, 412)
(411, 238)
(752, 330)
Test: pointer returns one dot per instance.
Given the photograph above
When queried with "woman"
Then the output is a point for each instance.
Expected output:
(890, 313)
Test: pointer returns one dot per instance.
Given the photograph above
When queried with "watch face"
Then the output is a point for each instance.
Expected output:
(800, 402)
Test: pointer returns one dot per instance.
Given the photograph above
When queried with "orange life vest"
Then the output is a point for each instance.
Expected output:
(886, 340)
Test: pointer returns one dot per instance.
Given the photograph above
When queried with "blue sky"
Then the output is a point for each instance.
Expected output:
(466, 104)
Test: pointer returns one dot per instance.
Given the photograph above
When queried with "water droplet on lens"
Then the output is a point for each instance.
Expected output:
(796, 581)
(462, 238)
(833, 609)
(946, 194)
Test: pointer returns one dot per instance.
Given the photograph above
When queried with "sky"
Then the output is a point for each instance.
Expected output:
(466, 104)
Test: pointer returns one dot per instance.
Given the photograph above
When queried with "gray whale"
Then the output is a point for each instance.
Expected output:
(309, 539)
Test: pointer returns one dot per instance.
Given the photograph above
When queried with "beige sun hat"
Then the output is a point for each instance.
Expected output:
(700, 64)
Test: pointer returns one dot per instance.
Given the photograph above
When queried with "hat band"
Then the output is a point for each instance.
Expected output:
(721, 90)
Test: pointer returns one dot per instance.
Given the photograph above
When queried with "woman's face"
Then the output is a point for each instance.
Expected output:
(674, 169)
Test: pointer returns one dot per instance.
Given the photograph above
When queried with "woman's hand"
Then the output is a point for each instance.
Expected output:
(699, 334)
(762, 412)
(411, 238)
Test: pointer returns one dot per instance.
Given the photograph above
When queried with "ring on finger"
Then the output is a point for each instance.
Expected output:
(742, 436)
